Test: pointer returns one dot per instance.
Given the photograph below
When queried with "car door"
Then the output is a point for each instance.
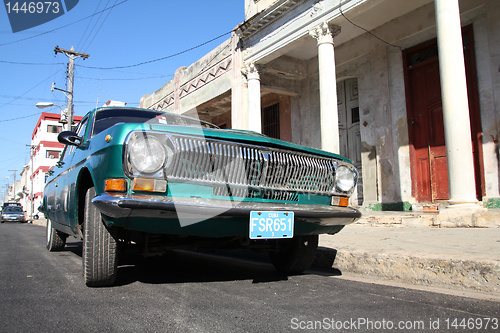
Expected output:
(52, 192)
(79, 157)
(60, 191)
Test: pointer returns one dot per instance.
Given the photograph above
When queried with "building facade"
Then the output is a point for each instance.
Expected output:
(406, 89)
(45, 152)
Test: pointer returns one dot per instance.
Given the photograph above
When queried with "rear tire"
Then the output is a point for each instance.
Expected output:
(56, 240)
(295, 255)
(100, 259)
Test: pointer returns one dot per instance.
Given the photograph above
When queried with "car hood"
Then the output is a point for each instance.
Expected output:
(243, 136)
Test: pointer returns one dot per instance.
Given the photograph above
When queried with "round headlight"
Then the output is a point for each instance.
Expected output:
(344, 178)
(147, 154)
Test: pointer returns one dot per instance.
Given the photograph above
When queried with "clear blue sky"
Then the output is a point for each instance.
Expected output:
(133, 32)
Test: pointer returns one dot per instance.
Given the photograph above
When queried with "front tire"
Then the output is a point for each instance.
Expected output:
(100, 260)
(56, 240)
(295, 255)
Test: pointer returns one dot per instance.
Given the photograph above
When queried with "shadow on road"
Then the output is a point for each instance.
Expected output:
(219, 266)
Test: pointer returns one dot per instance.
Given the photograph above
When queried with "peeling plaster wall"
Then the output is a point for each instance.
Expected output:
(306, 124)
(397, 100)
(487, 39)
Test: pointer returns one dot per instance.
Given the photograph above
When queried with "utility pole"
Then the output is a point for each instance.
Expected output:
(72, 55)
(7, 188)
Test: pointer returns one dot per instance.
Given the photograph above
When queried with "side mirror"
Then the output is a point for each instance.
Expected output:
(69, 138)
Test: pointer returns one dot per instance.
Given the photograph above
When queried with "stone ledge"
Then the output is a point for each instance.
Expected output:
(448, 273)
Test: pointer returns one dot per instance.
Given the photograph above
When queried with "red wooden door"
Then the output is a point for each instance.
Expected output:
(429, 169)
(429, 172)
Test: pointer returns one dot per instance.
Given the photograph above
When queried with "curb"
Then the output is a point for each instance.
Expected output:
(40, 222)
(451, 218)
(447, 273)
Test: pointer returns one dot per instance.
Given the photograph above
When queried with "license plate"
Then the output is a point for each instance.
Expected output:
(265, 225)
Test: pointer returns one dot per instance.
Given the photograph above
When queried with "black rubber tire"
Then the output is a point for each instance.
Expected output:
(99, 255)
(295, 255)
(56, 240)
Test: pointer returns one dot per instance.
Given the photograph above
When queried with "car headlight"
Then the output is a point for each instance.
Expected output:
(146, 154)
(345, 178)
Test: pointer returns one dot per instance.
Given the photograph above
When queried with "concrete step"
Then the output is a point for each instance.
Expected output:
(454, 258)
(444, 218)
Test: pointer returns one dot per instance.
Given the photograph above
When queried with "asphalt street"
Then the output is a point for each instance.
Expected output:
(192, 292)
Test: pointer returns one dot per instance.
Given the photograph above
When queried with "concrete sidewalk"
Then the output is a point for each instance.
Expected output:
(454, 258)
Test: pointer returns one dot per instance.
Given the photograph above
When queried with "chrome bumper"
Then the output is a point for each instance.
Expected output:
(118, 206)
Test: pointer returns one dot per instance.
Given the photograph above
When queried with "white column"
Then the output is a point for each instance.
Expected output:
(254, 106)
(239, 114)
(455, 104)
(324, 34)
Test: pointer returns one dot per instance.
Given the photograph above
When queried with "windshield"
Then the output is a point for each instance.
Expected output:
(11, 209)
(108, 117)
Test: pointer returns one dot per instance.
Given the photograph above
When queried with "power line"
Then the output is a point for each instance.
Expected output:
(31, 63)
(366, 30)
(35, 99)
(126, 79)
(31, 115)
(17, 157)
(9, 140)
(88, 25)
(99, 29)
(162, 58)
(121, 67)
(64, 26)
(18, 97)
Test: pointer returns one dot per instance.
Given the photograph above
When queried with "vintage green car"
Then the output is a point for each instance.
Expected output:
(156, 181)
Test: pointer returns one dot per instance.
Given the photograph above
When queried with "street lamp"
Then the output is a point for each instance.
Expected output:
(43, 105)
(64, 116)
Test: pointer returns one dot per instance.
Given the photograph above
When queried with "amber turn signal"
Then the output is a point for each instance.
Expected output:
(344, 201)
(340, 201)
(150, 185)
(115, 185)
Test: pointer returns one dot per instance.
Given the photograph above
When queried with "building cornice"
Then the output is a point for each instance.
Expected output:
(265, 17)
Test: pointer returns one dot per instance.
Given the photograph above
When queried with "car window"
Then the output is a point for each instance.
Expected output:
(11, 204)
(13, 209)
(106, 118)
(80, 131)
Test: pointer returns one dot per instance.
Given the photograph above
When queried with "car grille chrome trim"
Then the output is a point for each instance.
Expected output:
(248, 166)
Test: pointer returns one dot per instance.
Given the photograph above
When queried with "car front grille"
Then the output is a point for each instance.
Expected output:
(247, 169)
